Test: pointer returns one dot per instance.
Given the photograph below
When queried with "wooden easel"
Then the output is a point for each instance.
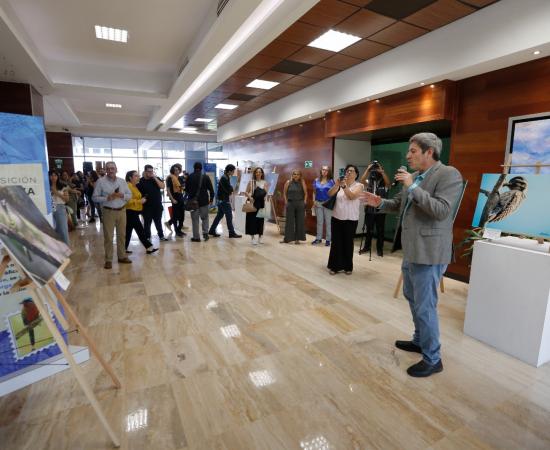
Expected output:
(49, 295)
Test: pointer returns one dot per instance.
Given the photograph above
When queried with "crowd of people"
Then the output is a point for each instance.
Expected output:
(425, 206)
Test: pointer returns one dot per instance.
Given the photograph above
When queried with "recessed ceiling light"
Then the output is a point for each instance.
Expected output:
(422, 84)
(113, 105)
(202, 119)
(334, 41)
(262, 84)
(432, 85)
(111, 34)
(225, 106)
(377, 101)
(536, 52)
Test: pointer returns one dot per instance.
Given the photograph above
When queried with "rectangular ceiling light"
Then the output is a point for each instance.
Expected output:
(334, 41)
(202, 119)
(262, 84)
(113, 105)
(225, 106)
(111, 34)
(188, 130)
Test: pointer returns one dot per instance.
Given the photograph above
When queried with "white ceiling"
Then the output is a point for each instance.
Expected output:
(51, 44)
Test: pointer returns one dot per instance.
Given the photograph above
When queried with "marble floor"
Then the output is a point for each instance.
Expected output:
(225, 345)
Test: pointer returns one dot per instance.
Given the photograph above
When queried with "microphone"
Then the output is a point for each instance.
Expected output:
(395, 182)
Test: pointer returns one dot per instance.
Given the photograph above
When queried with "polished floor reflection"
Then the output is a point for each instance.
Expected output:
(225, 345)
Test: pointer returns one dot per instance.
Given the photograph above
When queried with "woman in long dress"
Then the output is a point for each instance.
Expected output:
(256, 191)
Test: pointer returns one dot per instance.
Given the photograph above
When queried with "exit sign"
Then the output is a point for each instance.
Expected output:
(308, 164)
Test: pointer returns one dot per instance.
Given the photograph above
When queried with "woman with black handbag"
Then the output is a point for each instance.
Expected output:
(256, 191)
(345, 216)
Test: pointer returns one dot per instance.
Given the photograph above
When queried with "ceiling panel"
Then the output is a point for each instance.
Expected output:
(263, 62)
(327, 13)
(439, 13)
(364, 23)
(301, 81)
(398, 34)
(293, 67)
(276, 76)
(280, 49)
(301, 33)
(311, 55)
(319, 73)
(366, 49)
(341, 62)
(398, 9)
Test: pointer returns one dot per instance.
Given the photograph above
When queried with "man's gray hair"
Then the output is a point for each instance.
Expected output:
(426, 141)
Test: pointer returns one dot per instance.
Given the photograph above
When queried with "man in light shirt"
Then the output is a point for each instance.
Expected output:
(113, 193)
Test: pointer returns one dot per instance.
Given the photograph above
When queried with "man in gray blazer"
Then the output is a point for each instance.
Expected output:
(426, 207)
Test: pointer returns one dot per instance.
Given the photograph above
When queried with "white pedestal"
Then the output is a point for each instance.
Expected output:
(509, 301)
(239, 217)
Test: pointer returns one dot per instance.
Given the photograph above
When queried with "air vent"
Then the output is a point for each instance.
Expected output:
(221, 5)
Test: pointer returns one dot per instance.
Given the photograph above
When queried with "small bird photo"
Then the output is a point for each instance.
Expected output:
(516, 204)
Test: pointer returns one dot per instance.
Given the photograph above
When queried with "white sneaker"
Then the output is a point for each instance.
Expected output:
(260, 241)
(254, 241)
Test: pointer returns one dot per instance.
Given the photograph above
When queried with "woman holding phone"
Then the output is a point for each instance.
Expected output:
(134, 207)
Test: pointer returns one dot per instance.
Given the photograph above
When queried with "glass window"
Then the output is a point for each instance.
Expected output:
(155, 162)
(149, 149)
(99, 144)
(125, 148)
(78, 146)
(173, 149)
(124, 165)
(78, 162)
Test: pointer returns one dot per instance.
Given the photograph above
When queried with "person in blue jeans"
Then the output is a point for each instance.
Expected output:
(321, 186)
(426, 204)
(224, 207)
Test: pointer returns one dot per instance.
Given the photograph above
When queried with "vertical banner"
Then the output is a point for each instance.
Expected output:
(24, 338)
(23, 157)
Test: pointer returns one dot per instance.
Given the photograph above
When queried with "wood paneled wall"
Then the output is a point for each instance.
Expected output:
(288, 149)
(20, 98)
(60, 146)
(479, 108)
(419, 105)
(478, 140)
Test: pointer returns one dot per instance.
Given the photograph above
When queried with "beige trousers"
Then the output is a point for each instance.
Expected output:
(114, 219)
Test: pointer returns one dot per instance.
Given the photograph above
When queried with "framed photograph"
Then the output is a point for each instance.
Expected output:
(528, 143)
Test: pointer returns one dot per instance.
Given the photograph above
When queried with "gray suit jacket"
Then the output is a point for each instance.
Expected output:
(427, 227)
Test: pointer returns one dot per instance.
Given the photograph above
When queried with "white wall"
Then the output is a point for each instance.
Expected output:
(351, 152)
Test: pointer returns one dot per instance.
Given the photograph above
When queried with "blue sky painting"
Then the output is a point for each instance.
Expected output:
(531, 144)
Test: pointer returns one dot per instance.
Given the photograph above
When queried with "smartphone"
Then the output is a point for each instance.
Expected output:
(116, 190)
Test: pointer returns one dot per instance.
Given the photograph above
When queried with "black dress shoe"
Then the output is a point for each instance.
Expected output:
(408, 346)
(423, 369)
(163, 239)
(235, 235)
(153, 250)
(214, 234)
(205, 236)
(195, 240)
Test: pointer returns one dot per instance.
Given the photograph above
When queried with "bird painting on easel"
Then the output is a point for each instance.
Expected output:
(502, 204)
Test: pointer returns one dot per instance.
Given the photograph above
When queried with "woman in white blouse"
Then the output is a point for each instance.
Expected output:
(345, 217)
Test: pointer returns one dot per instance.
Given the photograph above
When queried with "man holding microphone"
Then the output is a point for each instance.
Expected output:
(425, 206)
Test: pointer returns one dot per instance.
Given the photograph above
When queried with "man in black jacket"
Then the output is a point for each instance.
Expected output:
(150, 187)
(200, 187)
(224, 207)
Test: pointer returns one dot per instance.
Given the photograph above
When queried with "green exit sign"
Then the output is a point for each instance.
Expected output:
(308, 164)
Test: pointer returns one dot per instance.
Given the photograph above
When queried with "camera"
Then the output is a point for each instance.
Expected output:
(375, 165)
